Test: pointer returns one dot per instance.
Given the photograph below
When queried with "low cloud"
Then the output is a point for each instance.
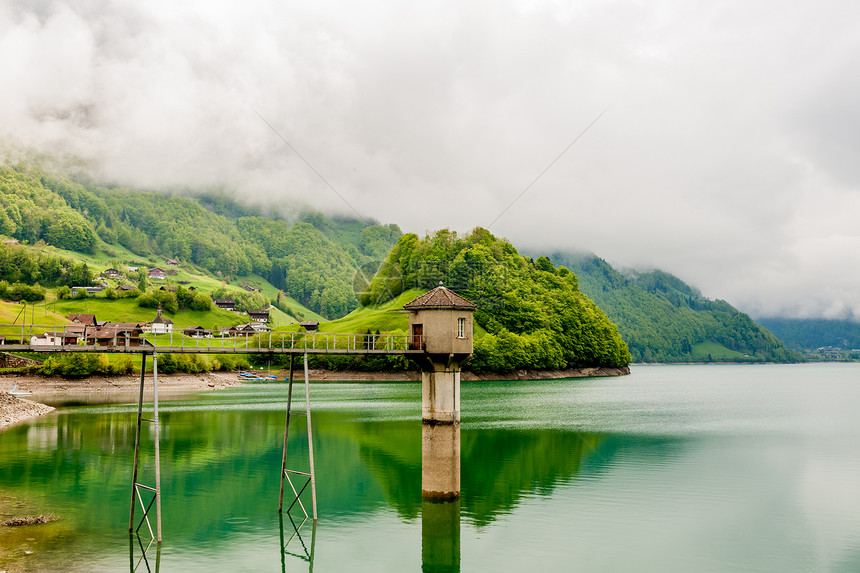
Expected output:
(727, 155)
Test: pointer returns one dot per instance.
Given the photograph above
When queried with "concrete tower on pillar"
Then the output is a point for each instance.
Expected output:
(440, 323)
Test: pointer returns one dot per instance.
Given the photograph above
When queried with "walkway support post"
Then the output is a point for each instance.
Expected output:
(140, 490)
(309, 476)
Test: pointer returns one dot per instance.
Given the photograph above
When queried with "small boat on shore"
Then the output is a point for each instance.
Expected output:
(272, 379)
(15, 392)
(253, 378)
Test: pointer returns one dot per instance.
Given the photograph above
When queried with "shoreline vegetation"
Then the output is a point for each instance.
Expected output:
(14, 410)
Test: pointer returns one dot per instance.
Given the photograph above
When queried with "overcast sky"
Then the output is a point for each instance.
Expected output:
(728, 153)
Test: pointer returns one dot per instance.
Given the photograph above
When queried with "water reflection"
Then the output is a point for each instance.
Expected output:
(727, 470)
(149, 559)
(296, 547)
(218, 463)
(440, 536)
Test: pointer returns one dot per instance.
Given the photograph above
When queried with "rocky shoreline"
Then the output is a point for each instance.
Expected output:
(14, 409)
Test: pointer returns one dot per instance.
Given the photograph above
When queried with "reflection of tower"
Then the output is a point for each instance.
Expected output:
(302, 548)
(440, 323)
(440, 536)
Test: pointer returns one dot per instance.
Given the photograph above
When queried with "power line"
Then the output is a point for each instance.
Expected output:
(323, 179)
(547, 168)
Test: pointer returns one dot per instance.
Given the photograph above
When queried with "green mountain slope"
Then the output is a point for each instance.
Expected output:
(811, 334)
(534, 314)
(662, 319)
(313, 261)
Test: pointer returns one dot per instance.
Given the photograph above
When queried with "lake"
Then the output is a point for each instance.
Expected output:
(673, 468)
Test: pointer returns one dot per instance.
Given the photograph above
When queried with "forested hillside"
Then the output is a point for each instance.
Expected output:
(662, 319)
(811, 334)
(314, 262)
(533, 313)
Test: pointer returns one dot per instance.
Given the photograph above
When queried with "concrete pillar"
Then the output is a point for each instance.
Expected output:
(440, 433)
(440, 395)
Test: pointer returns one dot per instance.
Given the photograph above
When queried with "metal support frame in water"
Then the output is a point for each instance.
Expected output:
(307, 553)
(137, 487)
(286, 472)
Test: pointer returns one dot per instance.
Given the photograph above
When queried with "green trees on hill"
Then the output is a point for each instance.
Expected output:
(814, 333)
(306, 265)
(19, 265)
(662, 318)
(310, 266)
(533, 313)
(245, 301)
(314, 260)
(29, 214)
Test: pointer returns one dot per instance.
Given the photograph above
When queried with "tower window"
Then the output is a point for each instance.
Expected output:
(461, 328)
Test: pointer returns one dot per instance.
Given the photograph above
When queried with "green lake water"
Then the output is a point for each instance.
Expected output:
(673, 468)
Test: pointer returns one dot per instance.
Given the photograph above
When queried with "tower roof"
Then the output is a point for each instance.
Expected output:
(440, 297)
(160, 319)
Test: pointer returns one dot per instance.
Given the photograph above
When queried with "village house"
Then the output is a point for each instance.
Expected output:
(171, 262)
(112, 274)
(252, 289)
(253, 327)
(85, 319)
(89, 290)
(156, 274)
(225, 303)
(261, 315)
(69, 336)
(197, 332)
(228, 331)
(119, 334)
(73, 333)
(159, 324)
(125, 288)
(46, 339)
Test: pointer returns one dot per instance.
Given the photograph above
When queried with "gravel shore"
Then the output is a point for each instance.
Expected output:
(14, 409)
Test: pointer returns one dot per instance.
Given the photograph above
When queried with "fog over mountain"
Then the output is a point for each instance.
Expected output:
(726, 154)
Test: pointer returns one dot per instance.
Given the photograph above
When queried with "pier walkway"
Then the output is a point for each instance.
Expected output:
(129, 339)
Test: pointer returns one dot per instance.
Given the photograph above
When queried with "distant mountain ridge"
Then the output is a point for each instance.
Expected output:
(663, 319)
(814, 333)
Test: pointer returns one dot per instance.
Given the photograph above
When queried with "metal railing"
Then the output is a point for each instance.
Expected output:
(124, 338)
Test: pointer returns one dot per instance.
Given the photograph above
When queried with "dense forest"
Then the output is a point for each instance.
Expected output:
(662, 319)
(811, 334)
(29, 213)
(533, 313)
(20, 265)
(314, 260)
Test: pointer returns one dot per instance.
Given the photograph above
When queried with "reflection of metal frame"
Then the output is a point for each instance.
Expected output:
(307, 555)
(135, 566)
(285, 472)
(136, 487)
